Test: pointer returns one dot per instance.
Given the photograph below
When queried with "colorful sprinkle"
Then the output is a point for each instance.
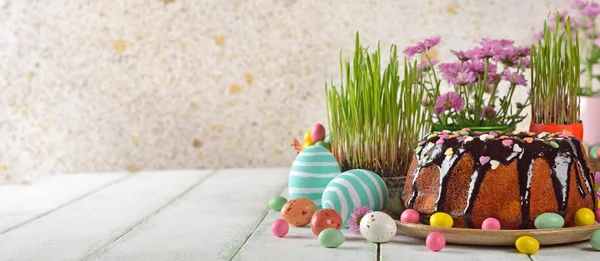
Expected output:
(418, 150)
(466, 129)
(461, 139)
(528, 140)
(493, 134)
(504, 137)
(449, 152)
(552, 135)
(562, 135)
(477, 132)
(440, 141)
(484, 160)
(483, 137)
(422, 142)
(464, 133)
(507, 143)
(554, 144)
(453, 136)
(468, 139)
(538, 139)
(516, 132)
(495, 164)
(432, 136)
(490, 137)
(542, 135)
(517, 148)
(426, 158)
(567, 132)
(531, 133)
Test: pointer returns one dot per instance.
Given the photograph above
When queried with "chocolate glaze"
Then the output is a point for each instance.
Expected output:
(560, 159)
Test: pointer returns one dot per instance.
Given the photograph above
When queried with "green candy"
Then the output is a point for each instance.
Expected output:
(418, 150)
(464, 133)
(327, 139)
(397, 206)
(277, 203)
(549, 220)
(554, 144)
(331, 238)
(595, 240)
(323, 144)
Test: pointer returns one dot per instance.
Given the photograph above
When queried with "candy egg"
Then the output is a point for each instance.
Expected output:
(307, 136)
(490, 224)
(277, 202)
(298, 212)
(323, 219)
(584, 217)
(317, 133)
(397, 206)
(595, 240)
(378, 227)
(435, 241)
(549, 220)
(597, 212)
(527, 245)
(331, 238)
(410, 216)
(441, 219)
(280, 228)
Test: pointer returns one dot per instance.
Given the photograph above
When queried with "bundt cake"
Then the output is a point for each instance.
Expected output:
(513, 177)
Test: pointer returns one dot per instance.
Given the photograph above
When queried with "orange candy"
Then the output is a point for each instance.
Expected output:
(528, 140)
(324, 219)
(504, 137)
(298, 212)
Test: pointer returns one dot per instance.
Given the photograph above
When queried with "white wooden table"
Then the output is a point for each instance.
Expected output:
(191, 215)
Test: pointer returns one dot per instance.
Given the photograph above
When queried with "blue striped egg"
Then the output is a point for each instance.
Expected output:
(355, 188)
(312, 170)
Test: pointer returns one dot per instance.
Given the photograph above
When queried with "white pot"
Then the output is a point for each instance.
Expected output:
(589, 114)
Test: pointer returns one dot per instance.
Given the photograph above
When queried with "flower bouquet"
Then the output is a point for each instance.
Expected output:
(483, 81)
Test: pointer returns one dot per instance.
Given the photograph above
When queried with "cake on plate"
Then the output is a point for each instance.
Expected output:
(513, 177)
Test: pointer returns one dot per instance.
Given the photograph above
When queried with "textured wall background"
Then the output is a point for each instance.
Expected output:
(111, 85)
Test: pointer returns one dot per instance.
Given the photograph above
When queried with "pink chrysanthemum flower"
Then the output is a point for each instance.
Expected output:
(425, 65)
(432, 41)
(462, 56)
(464, 77)
(514, 78)
(597, 178)
(415, 49)
(357, 214)
(450, 70)
(591, 9)
(447, 101)
(578, 4)
(488, 113)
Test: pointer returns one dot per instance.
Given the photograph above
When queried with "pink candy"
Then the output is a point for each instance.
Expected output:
(484, 160)
(435, 241)
(440, 141)
(280, 228)
(410, 216)
(507, 143)
(317, 133)
(490, 224)
(597, 215)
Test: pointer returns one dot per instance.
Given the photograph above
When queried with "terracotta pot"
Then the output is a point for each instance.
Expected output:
(589, 112)
(572, 129)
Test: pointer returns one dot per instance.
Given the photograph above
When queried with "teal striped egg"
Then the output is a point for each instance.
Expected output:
(312, 170)
(355, 188)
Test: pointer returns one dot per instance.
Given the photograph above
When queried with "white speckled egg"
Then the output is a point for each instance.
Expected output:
(312, 170)
(355, 188)
(378, 227)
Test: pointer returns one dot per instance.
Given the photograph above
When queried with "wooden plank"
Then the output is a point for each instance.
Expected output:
(300, 244)
(577, 251)
(211, 222)
(408, 248)
(22, 203)
(77, 230)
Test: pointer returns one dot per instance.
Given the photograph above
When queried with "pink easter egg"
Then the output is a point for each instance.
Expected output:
(490, 224)
(410, 216)
(317, 133)
(597, 215)
(435, 241)
(280, 228)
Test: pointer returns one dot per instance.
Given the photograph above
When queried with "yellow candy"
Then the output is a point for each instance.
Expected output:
(307, 136)
(527, 245)
(584, 217)
(441, 219)
(306, 144)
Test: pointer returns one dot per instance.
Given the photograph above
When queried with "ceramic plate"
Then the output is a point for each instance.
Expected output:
(466, 236)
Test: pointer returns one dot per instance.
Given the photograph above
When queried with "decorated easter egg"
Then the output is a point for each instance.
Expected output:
(298, 212)
(435, 241)
(317, 133)
(549, 220)
(595, 240)
(378, 227)
(280, 228)
(323, 219)
(490, 224)
(584, 217)
(312, 170)
(355, 188)
(410, 216)
(441, 219)
(527, 245)
(277, 202)
(331, 238)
